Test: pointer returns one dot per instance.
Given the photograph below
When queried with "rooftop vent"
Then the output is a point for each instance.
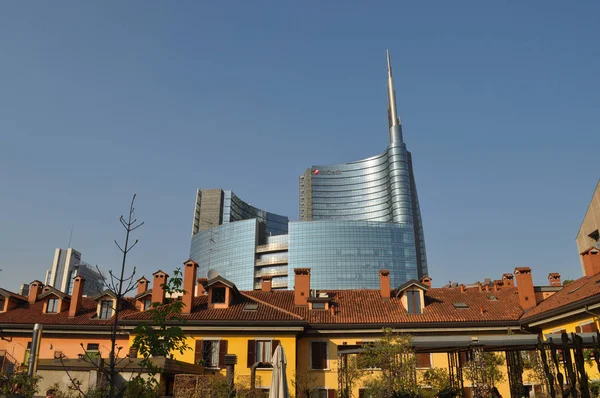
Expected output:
(461, 306)
(491, 297)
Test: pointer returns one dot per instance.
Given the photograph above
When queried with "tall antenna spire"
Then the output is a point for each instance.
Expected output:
(392, 112)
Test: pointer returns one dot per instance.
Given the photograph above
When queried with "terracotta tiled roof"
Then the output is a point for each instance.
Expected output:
(237, 311)
(572, 293)
(28, 314)
(11, 295)
(352, 307)
(368, 307)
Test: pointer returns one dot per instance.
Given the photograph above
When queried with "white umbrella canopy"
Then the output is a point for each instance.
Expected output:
(279, 387)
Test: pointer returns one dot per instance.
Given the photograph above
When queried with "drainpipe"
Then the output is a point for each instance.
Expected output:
(35, 349)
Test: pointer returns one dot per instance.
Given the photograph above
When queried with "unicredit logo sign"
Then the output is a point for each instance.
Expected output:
(318, 172)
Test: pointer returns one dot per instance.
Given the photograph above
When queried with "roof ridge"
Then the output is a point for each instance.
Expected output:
(272, 306)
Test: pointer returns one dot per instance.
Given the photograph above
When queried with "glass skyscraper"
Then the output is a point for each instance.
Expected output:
(355, 219)
(381, 188)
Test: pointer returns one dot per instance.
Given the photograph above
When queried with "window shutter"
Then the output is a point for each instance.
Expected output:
(323, 355)
(274, 345)
(251, 353)
(331, 394)
(315, 348)
(133, 352)
(462, 357)
(222, 352)
(198, 352)
(423, 360)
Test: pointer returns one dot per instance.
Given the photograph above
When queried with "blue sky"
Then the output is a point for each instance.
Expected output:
(499, 102)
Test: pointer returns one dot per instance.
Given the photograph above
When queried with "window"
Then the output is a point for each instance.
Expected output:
(413, 298)
(423, 360)
(147, 304)
(318, 355)
(462, 306)
(106, 309)
(52, 307)
(211, 353)
(318, 306)
(263, 351)
(2, 303)
(218, 295)
(92, 350)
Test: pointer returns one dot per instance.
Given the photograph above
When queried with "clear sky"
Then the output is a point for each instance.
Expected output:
(101, 100)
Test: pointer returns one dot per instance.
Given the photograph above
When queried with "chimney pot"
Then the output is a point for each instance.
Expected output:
(201, 290)
(554, 279)
(301, 286)
(189, 286)
(481, 311)
(384, 283)
(267, 284)
(35, 288)
(158, 290)
(525, 289)
(480, 286)
(462, 288)
(142, 285)
(426, 280)
(77, 296)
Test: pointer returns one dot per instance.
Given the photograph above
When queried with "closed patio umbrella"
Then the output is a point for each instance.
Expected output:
(279, 387)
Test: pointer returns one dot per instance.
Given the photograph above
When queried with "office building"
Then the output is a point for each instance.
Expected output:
(355, 219)
(378, 189)
(66, 265)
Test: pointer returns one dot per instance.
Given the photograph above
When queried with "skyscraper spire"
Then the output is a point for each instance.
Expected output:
(392, 112)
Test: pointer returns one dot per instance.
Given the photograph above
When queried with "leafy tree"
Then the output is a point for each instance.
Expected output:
(394, 357)
(567, 281)
(351, 370)
(159, 338)
(18, 382)
(492, 364)
(439, 380)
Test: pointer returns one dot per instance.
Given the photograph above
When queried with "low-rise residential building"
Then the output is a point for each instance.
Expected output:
(317, 329)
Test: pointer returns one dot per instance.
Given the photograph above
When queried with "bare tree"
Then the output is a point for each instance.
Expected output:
(120, 286)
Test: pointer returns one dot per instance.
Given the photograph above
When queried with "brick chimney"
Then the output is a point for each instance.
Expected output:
(525, 287)
(426, 280)
(487, 287)
(508, 280)
(480, 287)
(142, 285)
(267, 284)
(158, 291)
(462, 288)
(35, 288)
(189, 285)
(76, 295)
(301, 286)
(591, 262)
(497, 285)
(554, 279)
(384, 283)
(201, 290)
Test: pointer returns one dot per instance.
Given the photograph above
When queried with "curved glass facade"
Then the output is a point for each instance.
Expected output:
(381, 188)
(348, 254)
(216, 207)
(229, 249)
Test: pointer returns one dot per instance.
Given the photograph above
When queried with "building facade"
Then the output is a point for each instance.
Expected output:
(448, 326)
(381, 188)
(66, 265)
(216, 207)
(355, 219)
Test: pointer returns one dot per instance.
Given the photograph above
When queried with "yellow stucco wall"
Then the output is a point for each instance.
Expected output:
(569, 325)
(238, 344)
(328, 378)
